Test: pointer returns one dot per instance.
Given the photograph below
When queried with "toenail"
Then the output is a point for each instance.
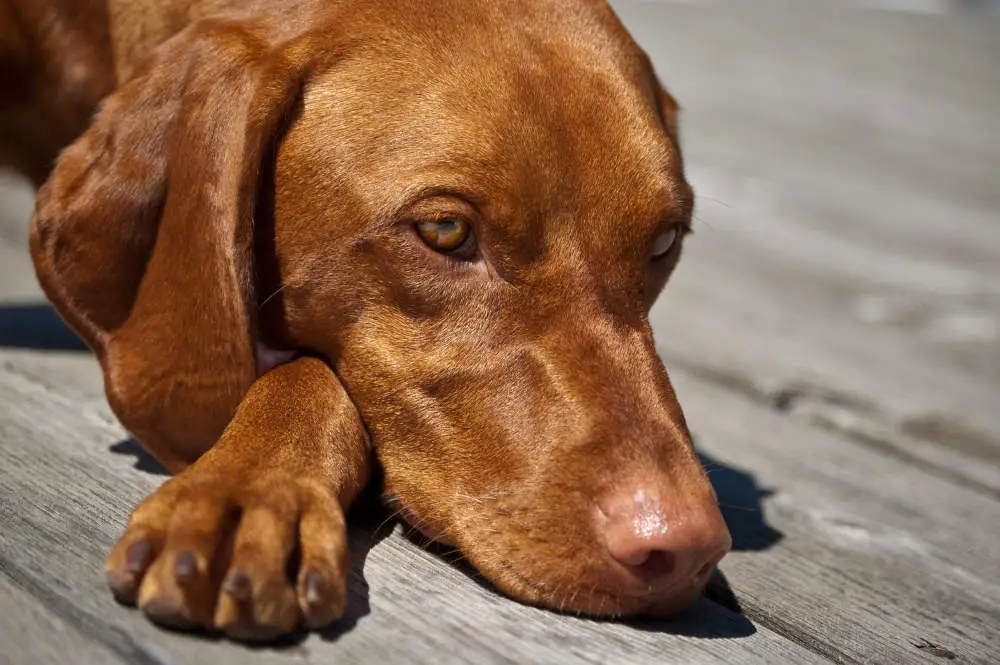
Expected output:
(239, 586)
(185, 568)
(137, 556)
(168, 614)
(315, 585)
(123, 586)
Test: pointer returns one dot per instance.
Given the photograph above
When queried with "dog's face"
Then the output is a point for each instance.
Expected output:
(474, 205)
(473, 228)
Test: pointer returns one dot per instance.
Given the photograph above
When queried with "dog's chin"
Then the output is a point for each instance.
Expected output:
(585, 598)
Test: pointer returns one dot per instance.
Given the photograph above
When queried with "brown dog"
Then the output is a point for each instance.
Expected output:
(456, 214)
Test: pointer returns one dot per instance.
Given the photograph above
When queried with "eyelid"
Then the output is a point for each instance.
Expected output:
(428, 203)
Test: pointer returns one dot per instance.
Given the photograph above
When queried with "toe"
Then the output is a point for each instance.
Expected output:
(128, 562)
(257, 601)
(322, 578)
(181, 586)
(139, 546)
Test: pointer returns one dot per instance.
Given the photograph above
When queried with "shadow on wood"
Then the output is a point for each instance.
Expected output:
(741, 502)
(365, 529)
(36, 327)
(143, 460)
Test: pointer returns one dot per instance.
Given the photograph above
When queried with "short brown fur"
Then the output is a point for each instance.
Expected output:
(253, 176)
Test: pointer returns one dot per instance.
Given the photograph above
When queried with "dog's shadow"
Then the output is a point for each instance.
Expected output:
(366, 528)
(143, 460)
(36, 326)
(741, 500)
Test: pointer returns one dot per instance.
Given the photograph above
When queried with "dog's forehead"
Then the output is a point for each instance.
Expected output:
(561, 120)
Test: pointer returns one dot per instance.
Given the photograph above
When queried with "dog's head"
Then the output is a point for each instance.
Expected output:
(469, 210)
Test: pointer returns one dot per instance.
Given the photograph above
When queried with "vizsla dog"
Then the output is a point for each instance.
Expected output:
(306, 237)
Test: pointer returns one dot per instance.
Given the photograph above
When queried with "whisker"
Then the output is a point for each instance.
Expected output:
(705, 223)
(718, 201)
(388, 519)
(573, 599)
(749, 509)
(270, 297)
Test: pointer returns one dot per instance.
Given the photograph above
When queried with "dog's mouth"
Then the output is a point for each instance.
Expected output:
(432, 532)
(603, 591)
(627, 600)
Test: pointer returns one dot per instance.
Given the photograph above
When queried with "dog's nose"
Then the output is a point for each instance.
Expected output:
(666, 544)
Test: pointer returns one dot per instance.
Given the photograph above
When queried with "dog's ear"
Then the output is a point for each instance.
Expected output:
(669, 110)
(142, 237)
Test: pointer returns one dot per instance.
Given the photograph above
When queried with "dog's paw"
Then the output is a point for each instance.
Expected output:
(255, 560)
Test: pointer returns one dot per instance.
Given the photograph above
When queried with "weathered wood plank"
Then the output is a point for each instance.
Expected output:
(64, 497)
(847, 254)
(876, 555)
(31, 633)
(844, 274)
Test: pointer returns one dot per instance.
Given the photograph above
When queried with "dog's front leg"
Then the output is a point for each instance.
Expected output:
(215, 546)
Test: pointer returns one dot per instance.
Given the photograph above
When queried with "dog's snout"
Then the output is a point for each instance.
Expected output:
(664, 545)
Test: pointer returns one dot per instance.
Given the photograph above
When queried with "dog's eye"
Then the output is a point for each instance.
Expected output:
(664, 243)
(447, 235)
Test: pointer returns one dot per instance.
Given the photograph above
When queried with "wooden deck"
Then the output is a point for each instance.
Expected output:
(833, 333)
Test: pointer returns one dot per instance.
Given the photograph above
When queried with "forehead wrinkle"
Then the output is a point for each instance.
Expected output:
(467, 126)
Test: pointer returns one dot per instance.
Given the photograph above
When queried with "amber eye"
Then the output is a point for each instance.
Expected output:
(445, 235)
(664, 243)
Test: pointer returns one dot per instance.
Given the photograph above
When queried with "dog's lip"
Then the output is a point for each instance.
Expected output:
(403, 511)
(628, 599)
(604, 601)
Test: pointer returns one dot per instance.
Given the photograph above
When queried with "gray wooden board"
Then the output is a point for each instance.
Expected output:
(847, 249)
(875, 555)
(64, 497)
(30, 632)
(832, 332)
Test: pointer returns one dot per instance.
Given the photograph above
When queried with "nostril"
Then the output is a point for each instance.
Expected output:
(658, 564)
(655, 551)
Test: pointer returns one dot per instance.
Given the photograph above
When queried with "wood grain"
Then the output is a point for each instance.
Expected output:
(833, 333)
(64, 497)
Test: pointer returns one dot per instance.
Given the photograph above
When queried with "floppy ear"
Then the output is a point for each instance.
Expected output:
(669, 110)
(666, 106)
(142, 237)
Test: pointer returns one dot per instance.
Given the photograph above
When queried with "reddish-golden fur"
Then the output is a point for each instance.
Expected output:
(255, 179)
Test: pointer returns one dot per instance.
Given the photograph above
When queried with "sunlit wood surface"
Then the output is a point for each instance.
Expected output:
(832, 332)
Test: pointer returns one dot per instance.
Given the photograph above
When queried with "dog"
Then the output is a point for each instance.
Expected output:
(309, 240)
